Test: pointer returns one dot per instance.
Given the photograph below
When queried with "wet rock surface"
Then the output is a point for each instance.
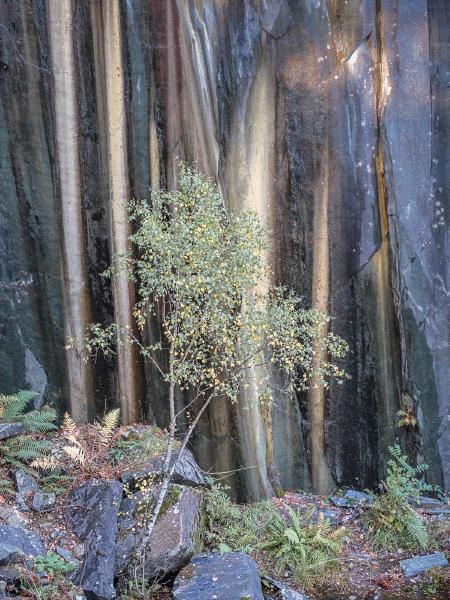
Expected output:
(91, 513)
(420, 564)
(331, 115)
(232, 576)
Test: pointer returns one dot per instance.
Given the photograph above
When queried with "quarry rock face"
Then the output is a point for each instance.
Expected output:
(329, 119)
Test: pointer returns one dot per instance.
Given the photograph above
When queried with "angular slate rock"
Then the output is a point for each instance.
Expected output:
(277, 19)
(175, 536)
(91, 513)
(67, 555)
(445, 512)
(283, 591)
(232, 576)
(351, 498)
(130, 531)
(17, 543)
(426, 502)
(333, 516)
(25, 483)
(187, 471)
(43, 501)
(12, 516)
(419, 564)
(8, 430)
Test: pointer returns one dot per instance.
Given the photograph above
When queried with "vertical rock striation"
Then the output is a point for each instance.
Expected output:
(331, 119)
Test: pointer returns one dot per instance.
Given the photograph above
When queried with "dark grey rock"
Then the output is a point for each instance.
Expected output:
(284, 592)
(175, 536)
(36, 378)
(419, 564)
(187, 471)
(79, 550)
(232, 576)
(426, 502)
(9, 574)
(21, 503)
(91, 513)
(43, 501)
(438, 511)
(129, 529)
(357, 496)
(17, 543)
(333, 516)
(8, 430)
(12, 516)
(277, 19)
(67, 555)
(25, 483)
(351, 498)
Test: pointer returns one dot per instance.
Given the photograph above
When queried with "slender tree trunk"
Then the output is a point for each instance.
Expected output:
(169, 474)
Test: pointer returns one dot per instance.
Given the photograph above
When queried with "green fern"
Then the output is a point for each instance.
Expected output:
(40, 421)
(6, 486)
(310, 549)
(24, 448)
(56, 482)
(12, 407)
(416, 529)
(391, 520)
(19, 451)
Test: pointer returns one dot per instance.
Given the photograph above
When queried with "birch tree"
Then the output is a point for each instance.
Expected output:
(197, 268)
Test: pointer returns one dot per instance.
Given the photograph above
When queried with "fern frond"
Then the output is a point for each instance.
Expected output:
(40, 421)
(109, 424)
(69, 426)
(31, 449)
(416, 529)
(45, 463)
(14, 405)
(76, 453)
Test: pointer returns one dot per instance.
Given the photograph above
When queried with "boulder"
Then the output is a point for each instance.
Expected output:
(8, 430)
(17, 543)
(175, 536)
(43, 501)
(427, 502)
(333, 516)
(232, 576)
(130, 531)
(187, 471)
(351, 498)
(12, 516)
(25, 483)
(91, 513)
(419, 564)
